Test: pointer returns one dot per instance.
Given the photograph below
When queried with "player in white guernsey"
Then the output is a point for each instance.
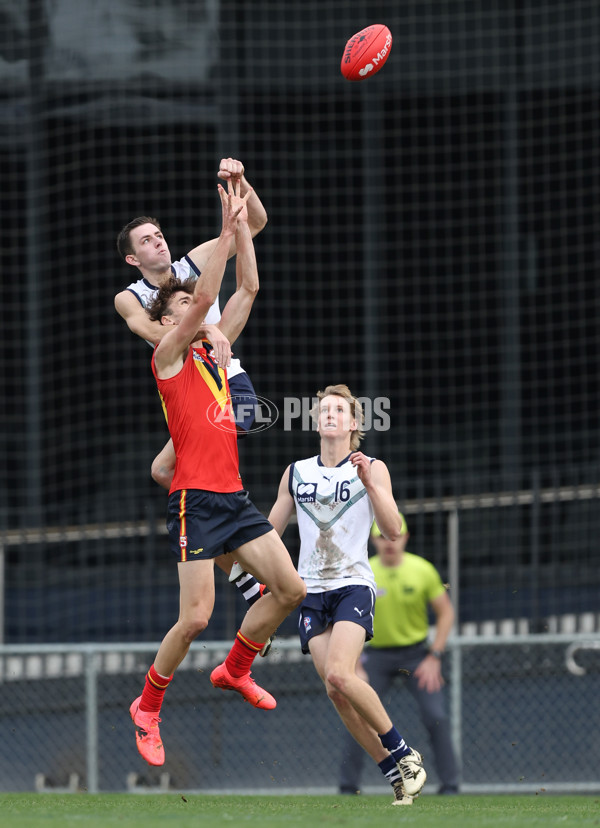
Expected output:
(142, 245)
(185, 269)
(336, 496)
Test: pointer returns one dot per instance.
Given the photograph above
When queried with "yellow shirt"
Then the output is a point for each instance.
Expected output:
(403, 595)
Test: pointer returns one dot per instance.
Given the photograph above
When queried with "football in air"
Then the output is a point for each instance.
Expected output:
(366, 52)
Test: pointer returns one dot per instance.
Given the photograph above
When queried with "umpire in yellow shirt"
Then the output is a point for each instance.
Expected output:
(407, 585)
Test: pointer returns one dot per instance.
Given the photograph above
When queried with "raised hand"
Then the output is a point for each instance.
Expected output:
(235, 188)
(362, 465)
(233, 206)
(230, 169)
(220, 343)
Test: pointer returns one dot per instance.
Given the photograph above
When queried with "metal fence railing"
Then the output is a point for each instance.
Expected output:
(64, 716)
(524, 557)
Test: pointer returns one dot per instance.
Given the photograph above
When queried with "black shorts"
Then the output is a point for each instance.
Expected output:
(205, 524)
(319, 610)
(243, 401)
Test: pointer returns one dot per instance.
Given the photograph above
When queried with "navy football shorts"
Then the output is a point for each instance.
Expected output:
(205, 524)
(321, 609)
(243, 401)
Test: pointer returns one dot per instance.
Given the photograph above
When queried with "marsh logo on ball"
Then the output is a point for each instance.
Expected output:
(366, 52)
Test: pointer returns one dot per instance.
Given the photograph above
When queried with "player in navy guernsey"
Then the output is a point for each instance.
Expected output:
(336, 495)
(142, 245)
(209, 513)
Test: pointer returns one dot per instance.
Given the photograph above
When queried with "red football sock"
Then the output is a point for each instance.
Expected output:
(154, 691)
(241, 655)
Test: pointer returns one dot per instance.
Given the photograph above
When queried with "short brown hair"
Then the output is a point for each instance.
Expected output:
(159, 306)
(356, 411)
(124, 245)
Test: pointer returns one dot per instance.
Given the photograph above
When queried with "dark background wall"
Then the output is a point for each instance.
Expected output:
(433, 239)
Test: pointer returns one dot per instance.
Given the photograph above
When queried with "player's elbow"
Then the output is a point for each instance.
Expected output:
(161, 474)
(202, 301)
(392, 534)
(259, 224)
(246, 294)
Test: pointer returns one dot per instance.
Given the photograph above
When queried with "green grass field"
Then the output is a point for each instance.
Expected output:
(26, 810)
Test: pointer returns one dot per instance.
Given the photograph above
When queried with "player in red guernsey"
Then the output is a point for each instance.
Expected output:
(210, 514)
(204, 460)
(142, 245)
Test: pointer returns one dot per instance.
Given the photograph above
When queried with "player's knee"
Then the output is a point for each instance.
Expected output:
(336, 683)
(297, 592)
(192, 627)
(300, 592)
(291, 594)
(339, 700)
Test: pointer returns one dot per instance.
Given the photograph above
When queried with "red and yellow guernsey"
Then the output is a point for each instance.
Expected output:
(197, 406)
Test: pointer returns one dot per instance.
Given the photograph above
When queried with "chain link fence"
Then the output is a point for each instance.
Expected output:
(524, 708)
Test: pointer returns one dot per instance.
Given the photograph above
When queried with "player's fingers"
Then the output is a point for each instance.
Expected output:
(225, 201)
(223, 358)
(236, 167)
(248, 194)
(224, 171)
(230, 168)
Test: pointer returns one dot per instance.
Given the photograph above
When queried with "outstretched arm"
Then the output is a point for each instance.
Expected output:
(139, 323)
(137, 318)
(231, 170)
(172, 348)
(237, 310)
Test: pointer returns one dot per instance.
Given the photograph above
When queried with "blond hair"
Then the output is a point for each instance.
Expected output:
(356, 411)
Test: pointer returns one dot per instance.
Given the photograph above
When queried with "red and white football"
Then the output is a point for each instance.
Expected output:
(366, 52)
